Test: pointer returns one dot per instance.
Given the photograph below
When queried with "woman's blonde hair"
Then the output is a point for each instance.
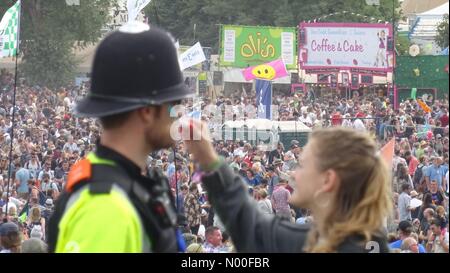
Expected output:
(362, 200)
(440, 210)
(12, 211)
(263, 193)
(35, 215)
(256, 167)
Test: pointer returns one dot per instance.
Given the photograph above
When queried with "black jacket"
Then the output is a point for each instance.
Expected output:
(255, 232)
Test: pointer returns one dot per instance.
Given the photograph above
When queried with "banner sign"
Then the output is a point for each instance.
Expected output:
(322, 70)
(346, 46)
(369, 72)
(243, 46)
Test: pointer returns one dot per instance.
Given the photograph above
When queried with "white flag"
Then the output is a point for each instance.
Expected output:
(192, 56)
(134, 7)
(373, 2)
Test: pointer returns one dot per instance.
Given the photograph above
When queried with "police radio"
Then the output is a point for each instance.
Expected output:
(161, 204)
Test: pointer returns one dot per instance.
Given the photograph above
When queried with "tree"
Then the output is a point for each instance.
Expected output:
(442, 29)
(402, 45)
(179, 16)
(50, 31)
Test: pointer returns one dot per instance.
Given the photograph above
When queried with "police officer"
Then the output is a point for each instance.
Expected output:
(108, 205)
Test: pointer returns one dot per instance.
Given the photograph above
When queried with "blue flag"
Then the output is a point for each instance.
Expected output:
(264, 99)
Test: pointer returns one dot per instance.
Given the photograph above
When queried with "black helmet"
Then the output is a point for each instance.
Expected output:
(133, 67)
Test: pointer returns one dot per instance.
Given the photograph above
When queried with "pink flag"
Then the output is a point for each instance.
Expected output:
(268, 71)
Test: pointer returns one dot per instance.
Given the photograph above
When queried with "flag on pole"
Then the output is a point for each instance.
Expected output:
(23, 217)
(9, 31)
(268, 71)
(134, 7)
(387, 153)
(373, 2)
(192, 56)
(264, 98)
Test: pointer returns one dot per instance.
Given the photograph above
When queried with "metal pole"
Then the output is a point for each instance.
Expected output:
(394, 53)
(13, 117)
(176, 176)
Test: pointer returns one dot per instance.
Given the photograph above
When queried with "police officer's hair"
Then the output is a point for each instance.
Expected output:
(114, 121)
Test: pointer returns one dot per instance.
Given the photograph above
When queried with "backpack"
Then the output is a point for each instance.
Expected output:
(58, 186)
(46, 214)
(42, 198)
(418, 175)
(31, 226)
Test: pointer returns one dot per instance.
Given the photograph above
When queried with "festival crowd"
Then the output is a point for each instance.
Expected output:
(48, 139)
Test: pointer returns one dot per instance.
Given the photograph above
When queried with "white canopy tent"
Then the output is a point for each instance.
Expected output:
(441, 10)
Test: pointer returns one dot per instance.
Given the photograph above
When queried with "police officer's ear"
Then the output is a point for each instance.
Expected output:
(149, 114)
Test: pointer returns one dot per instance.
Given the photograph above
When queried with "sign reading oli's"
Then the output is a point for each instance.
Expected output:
(243, 46)
(346, 46)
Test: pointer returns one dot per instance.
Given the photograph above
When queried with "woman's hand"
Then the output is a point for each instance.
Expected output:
(200, 146)
(431, 237)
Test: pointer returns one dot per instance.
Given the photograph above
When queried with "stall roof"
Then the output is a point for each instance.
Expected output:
(293, 126)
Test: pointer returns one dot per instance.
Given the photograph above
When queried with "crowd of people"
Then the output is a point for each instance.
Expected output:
(48, 139)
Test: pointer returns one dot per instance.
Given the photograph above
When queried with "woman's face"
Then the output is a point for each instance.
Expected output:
(307, 177)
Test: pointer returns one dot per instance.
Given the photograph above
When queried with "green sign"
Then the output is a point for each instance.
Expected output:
(202, 76)
(243, 46)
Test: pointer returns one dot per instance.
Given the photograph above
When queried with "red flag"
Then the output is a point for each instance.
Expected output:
(387, 152)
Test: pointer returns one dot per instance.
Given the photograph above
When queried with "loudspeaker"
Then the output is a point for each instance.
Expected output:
(218, 78)
(390, 44)
(295, 78)
(302, 36)
(355, 80)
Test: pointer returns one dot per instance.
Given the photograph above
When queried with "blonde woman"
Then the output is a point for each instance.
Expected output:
(340, 178)
(12, 215)
(36, 219)
(264, 203)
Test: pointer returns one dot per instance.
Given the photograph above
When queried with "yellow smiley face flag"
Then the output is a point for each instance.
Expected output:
(269, 71)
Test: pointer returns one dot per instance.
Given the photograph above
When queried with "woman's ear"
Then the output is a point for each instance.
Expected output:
(331, 181)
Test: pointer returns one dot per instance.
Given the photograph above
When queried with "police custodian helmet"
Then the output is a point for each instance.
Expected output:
(134, 67)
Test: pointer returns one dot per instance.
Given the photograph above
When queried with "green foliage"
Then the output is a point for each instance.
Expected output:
(402, 45)
(179, 16)
(51, 30)
(442, 37)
